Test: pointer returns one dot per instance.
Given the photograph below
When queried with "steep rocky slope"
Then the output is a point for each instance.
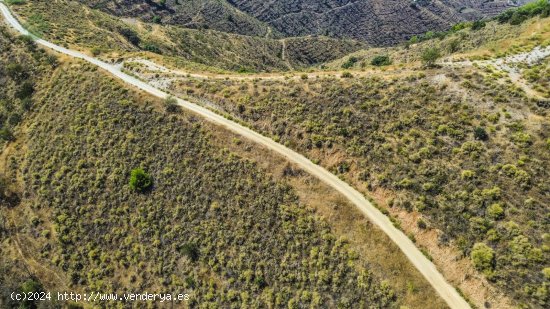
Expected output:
(203, 14)
(378, 22)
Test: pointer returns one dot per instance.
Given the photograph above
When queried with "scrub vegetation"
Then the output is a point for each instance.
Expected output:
(473, 165)
(113, 193)
(104, 187)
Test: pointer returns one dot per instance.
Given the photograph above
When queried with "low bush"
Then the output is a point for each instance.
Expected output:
(171, 105)
(478, 24)
(483, 258)
(347, 75)
(381, 60)
(430, 56)
(350, 62)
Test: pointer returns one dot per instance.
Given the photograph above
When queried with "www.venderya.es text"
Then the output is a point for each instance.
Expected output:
(100, 297)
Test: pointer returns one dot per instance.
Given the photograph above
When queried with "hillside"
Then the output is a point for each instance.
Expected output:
(214, 224)
(506, 35)
(472, 164)
(448, 133)
(100, 33)
(203, 14)
(376, 22)
(462, 150)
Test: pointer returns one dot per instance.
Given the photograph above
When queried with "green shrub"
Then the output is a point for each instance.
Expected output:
(25, 90)
(480, 134)
(191, 251)
(522, 139)
(453, 45)
(430, 56)
(14, 119)
(140, 181)
(517, 18)
(483, 258)
(30, 286)
(96, 51)
(6, 135)
(171, 105)
(347, 75)
(28, 40)
(421, 224)
(151, 47)
(478, 24)
(381, 60)
(467, 174)
(243, 70)
(130, 35)
(350, 62)
(495, 211)
(16, 71)
(459, 26)
(505, 16)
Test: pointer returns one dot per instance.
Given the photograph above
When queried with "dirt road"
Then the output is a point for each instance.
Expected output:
(423, 264)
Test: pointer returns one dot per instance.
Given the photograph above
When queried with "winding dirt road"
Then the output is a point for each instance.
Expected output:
(423, 264)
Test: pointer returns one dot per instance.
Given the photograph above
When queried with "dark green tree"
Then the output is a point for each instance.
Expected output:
(25, 90)
(481, 134)
(140, 181)
(6, 135)
(381, 60)
(30, 286)
(190, 250)
(350, 62)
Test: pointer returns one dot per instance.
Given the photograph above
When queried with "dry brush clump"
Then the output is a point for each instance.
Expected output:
(538, 76)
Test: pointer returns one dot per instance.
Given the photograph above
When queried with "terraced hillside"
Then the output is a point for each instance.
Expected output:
(204, 14)
(377, 22)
